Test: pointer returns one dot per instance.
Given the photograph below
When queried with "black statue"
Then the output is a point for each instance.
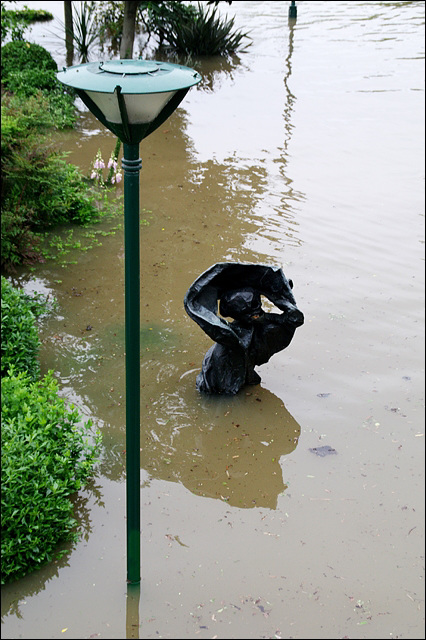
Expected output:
(254, 335)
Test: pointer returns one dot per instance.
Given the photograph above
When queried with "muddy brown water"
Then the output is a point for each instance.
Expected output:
(306, 152)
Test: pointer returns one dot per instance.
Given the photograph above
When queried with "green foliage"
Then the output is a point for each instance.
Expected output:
(85, 33)
(29, 70)
(22, 117)
(29, 81)
(18, 243)
(187, 29)
(14, 23)
(108, 18)
(39, 188)
(20, 342)
(43, 184)
(163, 18)
(61, 107)
(21, 55)
(85, 30)
(205, 34)
(46, 457)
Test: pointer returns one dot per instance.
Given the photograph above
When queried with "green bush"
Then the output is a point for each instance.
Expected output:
(46, 457)
(61, 107)
(27, 82)
(26, 115)
(20, 55)
(29, 71)
(18, 243)
(20, 342)
(191, 30)
(39, 188)
(42, 183)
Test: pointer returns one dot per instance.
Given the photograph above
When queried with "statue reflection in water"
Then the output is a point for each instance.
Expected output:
(240, 449)
(226, 440)
(230, 448)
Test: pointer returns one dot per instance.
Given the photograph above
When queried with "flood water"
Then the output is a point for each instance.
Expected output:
(307, 152)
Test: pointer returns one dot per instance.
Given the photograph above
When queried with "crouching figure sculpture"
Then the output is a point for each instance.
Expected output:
(234, 290)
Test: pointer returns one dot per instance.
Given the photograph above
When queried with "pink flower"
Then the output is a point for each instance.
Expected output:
(118, 177)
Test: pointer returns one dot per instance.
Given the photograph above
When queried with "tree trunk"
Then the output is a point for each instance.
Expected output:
(69, 32)
(130, 9)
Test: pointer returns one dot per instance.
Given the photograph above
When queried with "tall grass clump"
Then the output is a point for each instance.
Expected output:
(85, 32)
(199, 32)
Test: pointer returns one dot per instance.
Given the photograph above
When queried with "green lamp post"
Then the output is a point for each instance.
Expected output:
(131, 98)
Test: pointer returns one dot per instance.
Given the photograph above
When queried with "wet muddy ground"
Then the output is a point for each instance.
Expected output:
(307, 151)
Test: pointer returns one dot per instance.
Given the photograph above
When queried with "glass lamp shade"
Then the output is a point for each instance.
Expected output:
(139, 111)
(130, 97)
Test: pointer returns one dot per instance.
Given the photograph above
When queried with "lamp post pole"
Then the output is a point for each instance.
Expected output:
(132, 165)
(132, 98)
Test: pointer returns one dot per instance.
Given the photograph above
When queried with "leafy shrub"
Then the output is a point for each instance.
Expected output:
(18, 243)
(46, 457)
(20, 342)
(85, 32)
(25, 115)
(61, 107)
(162, 18)
(28, 82)
(21, 55)
(188, 29)
(28, 70)
(39, 188)
(108, 21)
(42, 183)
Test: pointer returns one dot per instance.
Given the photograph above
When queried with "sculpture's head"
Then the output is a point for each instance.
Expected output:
(241, 304)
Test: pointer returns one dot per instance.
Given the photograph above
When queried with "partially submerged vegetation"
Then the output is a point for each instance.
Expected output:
(15, 23)
(40, 189)
(172, 27)
(46, 454)
(199, 31)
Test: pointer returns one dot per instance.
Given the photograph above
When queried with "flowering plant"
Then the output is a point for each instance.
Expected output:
(114, 174)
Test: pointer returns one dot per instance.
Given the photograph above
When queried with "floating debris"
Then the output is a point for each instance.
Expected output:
(326, 450)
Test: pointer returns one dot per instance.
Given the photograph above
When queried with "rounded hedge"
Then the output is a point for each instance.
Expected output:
(24, 56)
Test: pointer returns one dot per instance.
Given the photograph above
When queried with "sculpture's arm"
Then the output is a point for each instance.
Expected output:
(199, 306)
